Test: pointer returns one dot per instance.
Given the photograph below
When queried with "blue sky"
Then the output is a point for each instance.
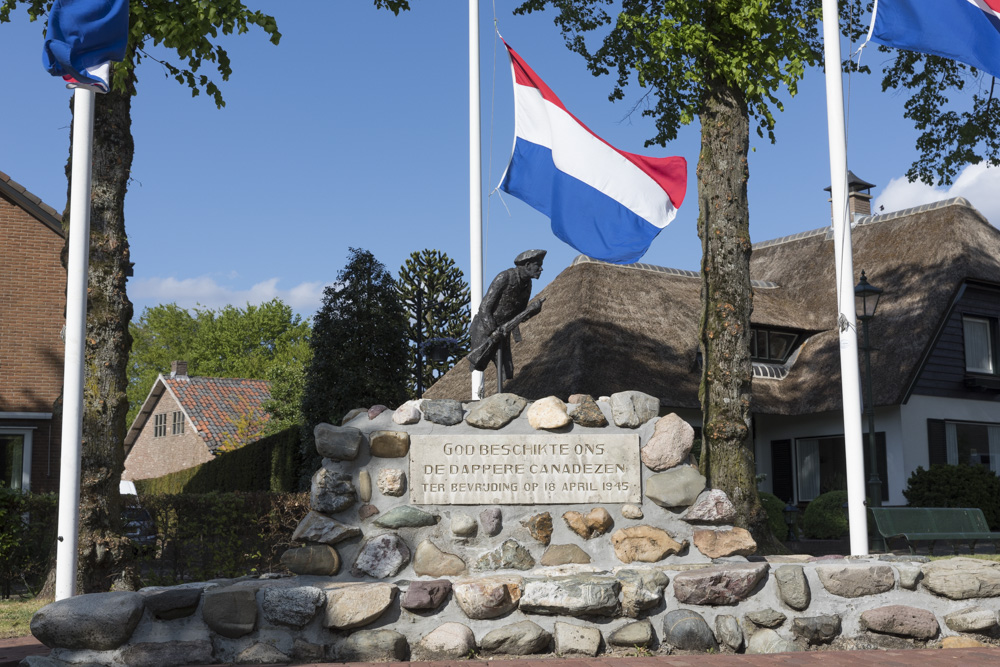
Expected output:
(353, 132)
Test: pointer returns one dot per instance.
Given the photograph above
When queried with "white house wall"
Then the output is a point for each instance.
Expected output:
(782, 427)
(919, 409)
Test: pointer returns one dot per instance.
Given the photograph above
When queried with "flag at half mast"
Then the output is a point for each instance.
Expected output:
(963, 30)
(606, 203)
(83, 38)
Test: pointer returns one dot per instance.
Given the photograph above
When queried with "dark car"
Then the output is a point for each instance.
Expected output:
(139, 528)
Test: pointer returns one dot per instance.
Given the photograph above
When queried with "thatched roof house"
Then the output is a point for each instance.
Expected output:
(607, 328)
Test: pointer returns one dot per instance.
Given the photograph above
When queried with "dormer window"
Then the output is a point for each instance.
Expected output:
(772, 346)
(979, 347)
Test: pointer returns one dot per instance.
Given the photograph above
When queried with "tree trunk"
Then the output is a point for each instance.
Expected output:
(105, 555)
(724, 228)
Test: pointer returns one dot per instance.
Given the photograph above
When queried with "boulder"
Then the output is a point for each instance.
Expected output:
(260, 653)
(332, 489)
(389, 444)
(508, 556)
(382, 556)
(523, 638)
(357, 605)
(406, 516)
(487, 597)
(687, 630)
(670, 444)
(99, 621)
(592, 524)
(548, 413)
(632, 409)
(676, 487)
(496, 411)
(426, 595)
(491, 519)
(641, 590)
(728, 631)
(636, 633)
(768, 641)
(463, 525)
(576, 639)
(449, 641)
(316, 559)
(429, 561)
(962, 578)
(316, 527)
(587, 413)
(230, 612)
(630, 511)
(793, 589)
(391, 482)
(175, 602)
(152, 654)
(718, 585)
(407, 413)
(574, 595)
(564, 554)
(364, 485)
(444, 411)
(817, 629)
(766, 618)
(539, 527)
(381, 645)
(723, 543)
(970, 619)
(712, 506)
(853, 581)
(340, 443)
(644, 544)
(902, 621)
(293, 607)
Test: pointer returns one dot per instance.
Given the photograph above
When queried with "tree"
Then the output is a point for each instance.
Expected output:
(722, 62)
(359, 348)
(265, 342)
(444, 310)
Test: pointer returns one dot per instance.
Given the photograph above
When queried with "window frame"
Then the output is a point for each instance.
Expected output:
(160, 425)
(177, 423)
(27, 434)
(990, 326)
(766, 332)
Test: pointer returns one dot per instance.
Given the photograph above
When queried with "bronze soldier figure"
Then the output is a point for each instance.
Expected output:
(503, 308)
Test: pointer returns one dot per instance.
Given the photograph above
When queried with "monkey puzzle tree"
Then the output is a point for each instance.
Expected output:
(433, 279)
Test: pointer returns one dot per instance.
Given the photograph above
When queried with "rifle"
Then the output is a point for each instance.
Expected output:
(485, 351)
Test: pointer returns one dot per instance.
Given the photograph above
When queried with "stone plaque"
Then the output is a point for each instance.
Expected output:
(536, 469)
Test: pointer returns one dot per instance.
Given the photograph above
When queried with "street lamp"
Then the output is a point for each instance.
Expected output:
(866, 298)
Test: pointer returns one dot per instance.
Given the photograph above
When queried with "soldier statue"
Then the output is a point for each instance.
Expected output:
(503, 308)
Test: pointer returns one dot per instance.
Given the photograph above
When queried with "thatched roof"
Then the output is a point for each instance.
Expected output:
(607, 328)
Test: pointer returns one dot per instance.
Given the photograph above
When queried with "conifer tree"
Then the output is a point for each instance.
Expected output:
(433, 277)
(359, 350)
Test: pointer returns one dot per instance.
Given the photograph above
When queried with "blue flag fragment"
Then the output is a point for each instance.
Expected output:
(83, 37)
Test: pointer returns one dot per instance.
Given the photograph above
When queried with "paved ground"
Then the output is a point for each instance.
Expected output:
(12, 651)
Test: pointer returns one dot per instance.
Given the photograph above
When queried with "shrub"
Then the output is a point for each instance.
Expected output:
(775, 509)
(956, 486)
(27, 534)
(204, 536)
(269, 464)
(824, 517)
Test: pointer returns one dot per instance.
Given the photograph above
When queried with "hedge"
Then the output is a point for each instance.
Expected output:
(205, 536)
(27, 534)
(269, 464)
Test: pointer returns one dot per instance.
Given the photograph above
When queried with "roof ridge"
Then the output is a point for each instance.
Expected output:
(680, 273)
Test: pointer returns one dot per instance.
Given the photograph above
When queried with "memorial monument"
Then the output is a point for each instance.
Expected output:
(505, 306)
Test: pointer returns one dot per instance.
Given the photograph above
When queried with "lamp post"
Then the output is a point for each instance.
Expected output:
(866, 297)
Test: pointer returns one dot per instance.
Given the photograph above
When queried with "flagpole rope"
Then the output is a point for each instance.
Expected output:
(489, 167)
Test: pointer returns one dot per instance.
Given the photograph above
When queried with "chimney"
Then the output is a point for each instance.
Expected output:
(859, 198)
(178, 369)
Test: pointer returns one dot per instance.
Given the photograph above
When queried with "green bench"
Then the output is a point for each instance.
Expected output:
(934, 524)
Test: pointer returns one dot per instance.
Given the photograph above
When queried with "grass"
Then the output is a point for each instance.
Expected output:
(15, 615)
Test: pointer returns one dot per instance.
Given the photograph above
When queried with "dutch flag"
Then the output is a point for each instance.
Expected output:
(82, 39)
(606, 203)
(964, 30)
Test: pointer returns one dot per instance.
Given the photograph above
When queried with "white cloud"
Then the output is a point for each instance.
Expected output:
(977, 183)
(304, 298)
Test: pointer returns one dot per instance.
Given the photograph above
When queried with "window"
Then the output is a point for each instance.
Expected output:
(15, 457)
(978, 334)
(973, 444)
(160, 425)
(177, 428)
(772, 346)
(11, 460)
(821, 465)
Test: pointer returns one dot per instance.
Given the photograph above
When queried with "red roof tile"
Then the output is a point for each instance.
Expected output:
(215, 405)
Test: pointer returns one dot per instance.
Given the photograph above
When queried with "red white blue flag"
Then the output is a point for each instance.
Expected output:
(82, 39)
(963, 30)
(606, 203)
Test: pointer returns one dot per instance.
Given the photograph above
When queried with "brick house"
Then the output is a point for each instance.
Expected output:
(186, 421)
(32, 312)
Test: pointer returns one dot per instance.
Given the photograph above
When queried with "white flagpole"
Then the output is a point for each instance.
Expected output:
(76, 331)
(475, 181)
(843, 255)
